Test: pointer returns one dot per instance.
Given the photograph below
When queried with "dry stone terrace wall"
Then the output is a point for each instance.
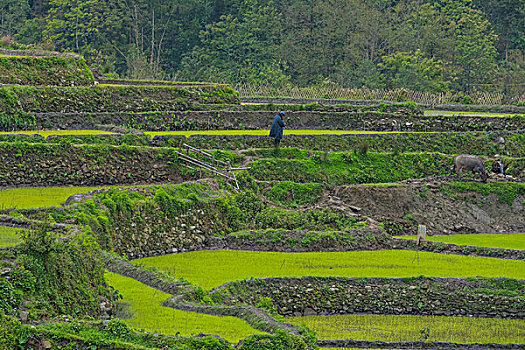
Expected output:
(239, 120)
(63, 164)
(442, 107)
(471, 143)
(37, 53)
(108, 98)
(412, 296)
(148, 232)
(484, 144)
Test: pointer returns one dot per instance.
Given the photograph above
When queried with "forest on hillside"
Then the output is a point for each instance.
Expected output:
(423, 45)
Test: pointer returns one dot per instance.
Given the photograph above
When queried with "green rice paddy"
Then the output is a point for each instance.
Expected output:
(9, 236)
(401, 328)
(39, 197)
(148, 314)
(210, 269)
(499, 240)
(46, 133)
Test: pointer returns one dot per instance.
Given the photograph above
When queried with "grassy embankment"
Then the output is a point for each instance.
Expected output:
(9, 236)
(210, 269)
(402, 328)
(148, 314)
(500, 240)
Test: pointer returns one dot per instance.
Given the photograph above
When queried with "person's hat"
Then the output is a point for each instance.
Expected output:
(281, 113)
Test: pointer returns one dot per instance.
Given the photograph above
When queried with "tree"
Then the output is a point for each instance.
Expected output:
(236, 50)
(476, 53)
(508, 19)
(74, 23)
(13, 14)
(414, 71)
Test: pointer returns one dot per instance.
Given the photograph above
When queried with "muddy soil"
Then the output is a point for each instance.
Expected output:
(403, 207)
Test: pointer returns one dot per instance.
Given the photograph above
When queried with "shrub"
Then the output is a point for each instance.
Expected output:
(67, 275)
(10, 298)
(10, 328)
(118, 328)
(279, 341)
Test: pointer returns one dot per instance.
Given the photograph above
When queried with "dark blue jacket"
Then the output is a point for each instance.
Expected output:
(277, 127)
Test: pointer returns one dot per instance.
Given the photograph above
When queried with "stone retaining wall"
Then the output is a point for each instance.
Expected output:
(239, 120)
(64, 164)
(444, 107)
(409, 296)
(108, 98)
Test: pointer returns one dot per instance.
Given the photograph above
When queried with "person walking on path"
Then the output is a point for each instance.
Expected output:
(277, 128)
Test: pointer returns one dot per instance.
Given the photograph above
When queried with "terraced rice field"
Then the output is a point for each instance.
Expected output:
(210, 269)
(499, 240)
(145, 312)
(38, 197)
(402, 328)
(376, 162)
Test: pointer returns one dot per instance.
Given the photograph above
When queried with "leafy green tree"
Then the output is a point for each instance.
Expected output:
(508, 20)
(74, 23)
(414, 71)
(476, 53)
(357, 75)
(13, 14)
(430, 31)
(236, 50)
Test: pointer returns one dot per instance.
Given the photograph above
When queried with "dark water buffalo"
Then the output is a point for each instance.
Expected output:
(469, 163)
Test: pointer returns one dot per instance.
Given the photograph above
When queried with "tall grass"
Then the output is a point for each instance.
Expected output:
(401, 328)
(148, 314)
(211, 269)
